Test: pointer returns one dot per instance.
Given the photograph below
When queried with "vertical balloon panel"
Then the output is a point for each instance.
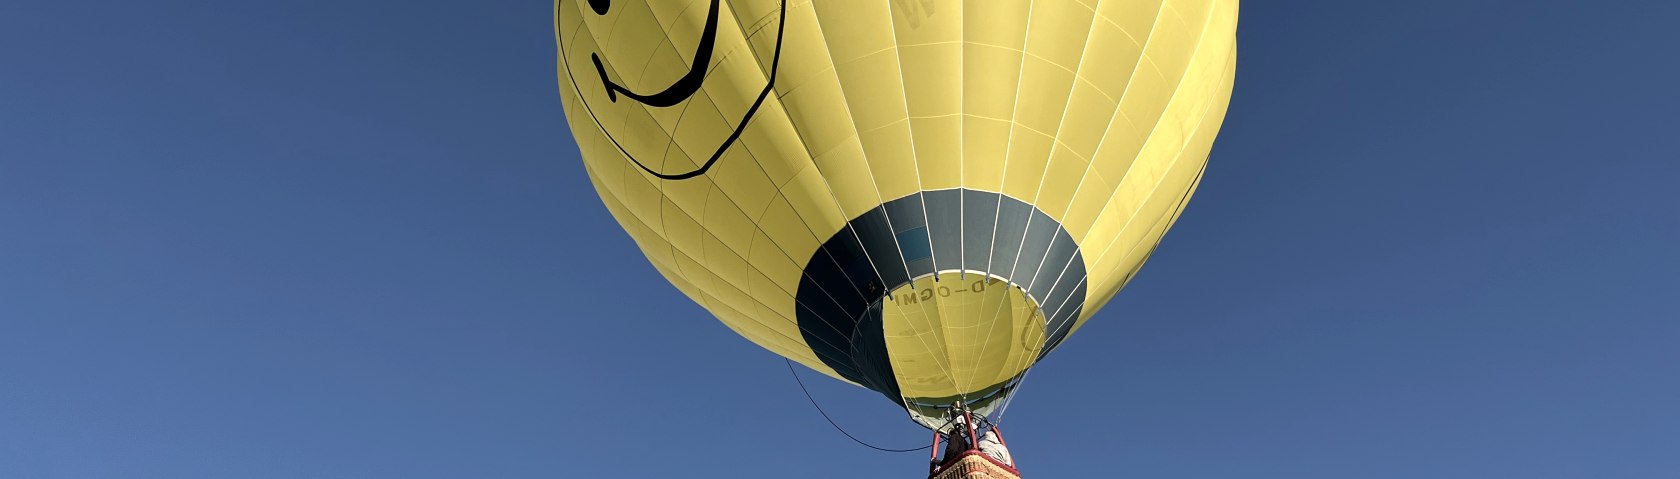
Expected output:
(722, 236)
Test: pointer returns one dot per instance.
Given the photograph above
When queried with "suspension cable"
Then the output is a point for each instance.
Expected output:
(831, 420)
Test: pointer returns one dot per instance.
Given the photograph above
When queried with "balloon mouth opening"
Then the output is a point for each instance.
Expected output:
(938, 416)
(942, 332)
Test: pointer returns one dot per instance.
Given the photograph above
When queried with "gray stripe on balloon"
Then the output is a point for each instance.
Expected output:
(841, 291)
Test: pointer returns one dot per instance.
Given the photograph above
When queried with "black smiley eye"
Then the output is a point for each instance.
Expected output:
(600, 6)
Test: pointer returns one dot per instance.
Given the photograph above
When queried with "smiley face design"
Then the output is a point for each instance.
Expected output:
(598, 74)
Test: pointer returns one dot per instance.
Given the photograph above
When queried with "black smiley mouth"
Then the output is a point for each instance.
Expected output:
(682, 89)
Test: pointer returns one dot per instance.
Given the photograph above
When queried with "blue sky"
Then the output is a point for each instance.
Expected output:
(344, 240)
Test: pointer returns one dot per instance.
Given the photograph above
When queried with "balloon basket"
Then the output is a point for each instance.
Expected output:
(973, 464)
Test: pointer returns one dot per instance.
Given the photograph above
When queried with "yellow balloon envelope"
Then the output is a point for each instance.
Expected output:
(921, 197)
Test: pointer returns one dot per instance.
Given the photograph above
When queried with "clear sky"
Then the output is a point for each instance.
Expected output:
(353, 239)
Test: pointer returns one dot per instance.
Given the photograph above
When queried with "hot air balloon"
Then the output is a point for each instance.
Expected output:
(919, 197)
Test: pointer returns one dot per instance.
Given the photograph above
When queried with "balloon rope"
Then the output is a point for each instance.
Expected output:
(831, 420)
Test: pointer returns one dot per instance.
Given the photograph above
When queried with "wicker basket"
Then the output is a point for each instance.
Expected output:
(973, 465)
